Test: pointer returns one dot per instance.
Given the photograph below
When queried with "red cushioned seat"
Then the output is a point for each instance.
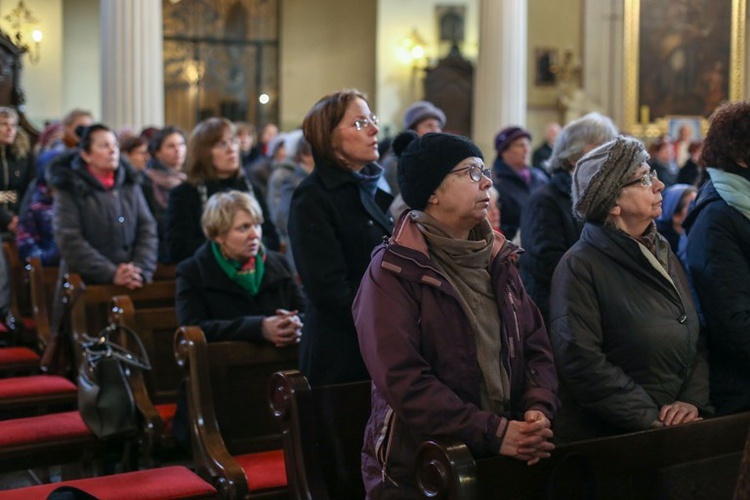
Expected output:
(166, 412)
(29, 324)
(263, 470)
(12, 355)
(44, 428)
(35, 385)
(153, 484)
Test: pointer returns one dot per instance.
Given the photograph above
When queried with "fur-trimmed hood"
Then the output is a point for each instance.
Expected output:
(68, 172)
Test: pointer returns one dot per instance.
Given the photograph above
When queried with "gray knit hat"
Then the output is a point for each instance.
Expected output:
(600, 175)
(421, 110)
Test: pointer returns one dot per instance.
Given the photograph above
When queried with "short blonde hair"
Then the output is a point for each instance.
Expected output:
(221, 208)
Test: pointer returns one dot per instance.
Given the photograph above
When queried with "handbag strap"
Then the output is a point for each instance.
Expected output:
(101, 347)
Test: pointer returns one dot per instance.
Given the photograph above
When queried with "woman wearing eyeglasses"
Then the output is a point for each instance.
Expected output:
(454, 344)
(337, 216)
(213, 166)
(623, 325)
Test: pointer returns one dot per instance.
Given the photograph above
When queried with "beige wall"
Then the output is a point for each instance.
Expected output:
(41, 80)
(67, 74)
(399, 84)
(555, 25)
(324, 46)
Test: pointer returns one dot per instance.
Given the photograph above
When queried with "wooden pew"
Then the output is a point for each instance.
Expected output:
(155, 327)
(91, 313)
(235, 440)
(742, 489)
(322, 431)
(697, 461)
(20, 297)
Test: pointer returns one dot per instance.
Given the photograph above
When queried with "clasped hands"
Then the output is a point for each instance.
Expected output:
(282, 329)
(528, 440)
(128, 275)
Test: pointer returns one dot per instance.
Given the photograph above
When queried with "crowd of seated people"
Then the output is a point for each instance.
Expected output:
(610, 310)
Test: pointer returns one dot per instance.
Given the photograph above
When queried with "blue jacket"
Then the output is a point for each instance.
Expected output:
(514, 194)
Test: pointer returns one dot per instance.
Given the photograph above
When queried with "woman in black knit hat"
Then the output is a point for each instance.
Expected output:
(454, 344)
(622, 321)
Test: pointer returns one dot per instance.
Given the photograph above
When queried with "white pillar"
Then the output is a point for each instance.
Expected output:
(132, 67)
(500, 85)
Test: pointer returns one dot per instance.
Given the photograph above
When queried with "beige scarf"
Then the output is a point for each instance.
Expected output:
(465, 264)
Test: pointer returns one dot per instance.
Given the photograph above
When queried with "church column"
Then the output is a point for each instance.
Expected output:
(132, 68)
(500, 78)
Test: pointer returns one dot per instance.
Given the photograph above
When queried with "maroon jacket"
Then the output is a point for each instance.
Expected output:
(419, 349)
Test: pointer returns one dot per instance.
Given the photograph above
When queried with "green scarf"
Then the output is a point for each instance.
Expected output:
(733, 189)
(247, 275)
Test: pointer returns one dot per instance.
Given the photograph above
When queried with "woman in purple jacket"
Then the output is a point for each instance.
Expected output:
(453, 343)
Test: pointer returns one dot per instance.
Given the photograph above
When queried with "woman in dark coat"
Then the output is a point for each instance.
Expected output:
(337, 216)
(233, 287)
(623, 325)
(718, 255)
(16, 169)
(103, 226)
(213, 166)
(548, 228)
(454, 344)
(218, 298)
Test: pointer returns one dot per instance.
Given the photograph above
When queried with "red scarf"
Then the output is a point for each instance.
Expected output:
(107, 179)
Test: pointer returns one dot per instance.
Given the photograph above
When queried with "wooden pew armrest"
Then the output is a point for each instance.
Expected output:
(210, 454)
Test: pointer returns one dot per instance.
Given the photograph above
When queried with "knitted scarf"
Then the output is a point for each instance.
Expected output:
(465, 263)
(733, 189)
(249, 274)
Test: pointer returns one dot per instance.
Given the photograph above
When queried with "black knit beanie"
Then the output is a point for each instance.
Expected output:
(423, 162)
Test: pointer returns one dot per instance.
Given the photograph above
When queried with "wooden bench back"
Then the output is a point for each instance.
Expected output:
(92, 310)
(698, 460)
(323, 431)
(155, 327)
(43, 283)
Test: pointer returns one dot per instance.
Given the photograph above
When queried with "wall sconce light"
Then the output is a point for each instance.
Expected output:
(413, 48)
(21, 19)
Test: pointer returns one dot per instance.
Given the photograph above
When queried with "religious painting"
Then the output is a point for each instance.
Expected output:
(546, 62)
(686, 127)
(683, 57)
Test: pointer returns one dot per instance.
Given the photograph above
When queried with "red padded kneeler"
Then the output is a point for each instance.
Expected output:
(35, 385)
(263, 470)
(11, 355)
(44, 428)
(153, 484)
(166, 412)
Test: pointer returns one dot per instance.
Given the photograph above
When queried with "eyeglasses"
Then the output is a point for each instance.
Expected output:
(231, 144)
(647, 180)
(475, 172)
(366, 122)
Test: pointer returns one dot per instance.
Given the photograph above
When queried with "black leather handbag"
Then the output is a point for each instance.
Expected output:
(105, 399)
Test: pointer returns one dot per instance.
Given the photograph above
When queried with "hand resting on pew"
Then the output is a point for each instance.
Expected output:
(677, 413)
(128, 275)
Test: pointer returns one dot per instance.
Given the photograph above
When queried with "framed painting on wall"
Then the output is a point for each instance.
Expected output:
(682, 57)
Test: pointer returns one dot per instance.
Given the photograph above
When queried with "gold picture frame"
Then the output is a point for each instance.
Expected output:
(719, 76)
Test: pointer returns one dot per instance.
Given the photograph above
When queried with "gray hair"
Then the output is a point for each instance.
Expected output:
(591, 130)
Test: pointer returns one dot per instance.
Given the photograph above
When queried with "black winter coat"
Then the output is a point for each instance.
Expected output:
(207, 297)
(718, 258)
(626, 340)
(183, 218)
(16, 173)
(333, 228)
(96, 228)
(548, 230)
